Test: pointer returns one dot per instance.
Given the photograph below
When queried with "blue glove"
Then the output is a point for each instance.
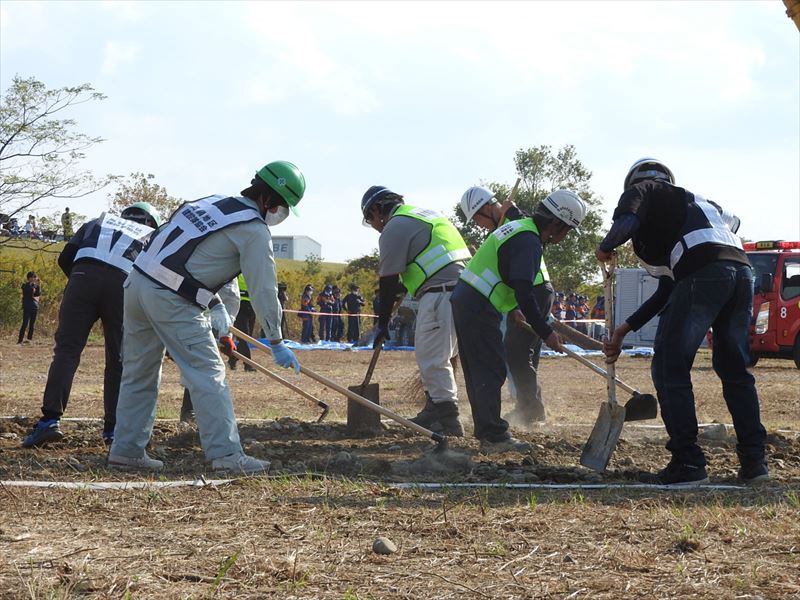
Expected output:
(220, 320)
(284, 357)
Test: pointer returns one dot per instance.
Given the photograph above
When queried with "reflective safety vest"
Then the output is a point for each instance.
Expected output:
(445, 247)
(705, 224)
(483, 274)
(165, 257)
(244, 295)
(114, 241)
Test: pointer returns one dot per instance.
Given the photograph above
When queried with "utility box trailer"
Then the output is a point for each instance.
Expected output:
(631, 288)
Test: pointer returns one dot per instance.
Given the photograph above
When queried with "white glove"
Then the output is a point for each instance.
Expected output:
(220, 320)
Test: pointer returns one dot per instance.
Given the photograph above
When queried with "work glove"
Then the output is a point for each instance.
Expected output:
(220, 320)
(227, 346)
(284, 357)
(381, 335)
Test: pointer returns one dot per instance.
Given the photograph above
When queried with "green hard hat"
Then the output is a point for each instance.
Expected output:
(137, 208)
(286, 179)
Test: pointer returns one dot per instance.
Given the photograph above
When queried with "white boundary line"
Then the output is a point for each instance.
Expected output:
(249, 420)
(411, 485)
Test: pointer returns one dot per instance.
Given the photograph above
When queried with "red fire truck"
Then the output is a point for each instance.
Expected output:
(776, 303)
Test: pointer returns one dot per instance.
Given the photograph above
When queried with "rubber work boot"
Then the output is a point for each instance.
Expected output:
(240, 463)
(440, 417)
(44, 432)
(677, 474)
(125, 463)
(509, 444)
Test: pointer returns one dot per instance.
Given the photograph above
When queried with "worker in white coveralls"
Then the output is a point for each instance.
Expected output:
(171, 300)
(424, 250)
(522, 347)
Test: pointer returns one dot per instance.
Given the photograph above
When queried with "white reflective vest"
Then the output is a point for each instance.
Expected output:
(704, 225)
(165, 257)
(114, 241)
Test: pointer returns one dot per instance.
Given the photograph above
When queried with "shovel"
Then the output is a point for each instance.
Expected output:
(441, 440)
(248, 361)
(639, 407)
(603, 440)
(359, 418)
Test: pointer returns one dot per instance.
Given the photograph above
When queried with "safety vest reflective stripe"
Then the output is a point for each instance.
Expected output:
(244, 295)
(164, 260)
(117, 243)
(715, 231)
(446, 246)
(484, 282)
(438, 257)
(482, 272)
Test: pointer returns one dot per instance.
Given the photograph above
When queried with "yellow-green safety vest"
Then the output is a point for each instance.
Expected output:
(446, 246)
(244, 295)
(483, 274)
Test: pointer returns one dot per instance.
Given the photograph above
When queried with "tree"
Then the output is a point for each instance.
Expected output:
(40, 152)
(140, 187)
(572, 262)
(368, 262)
(313, 265)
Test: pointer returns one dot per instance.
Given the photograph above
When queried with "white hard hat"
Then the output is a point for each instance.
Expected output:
(567, 206)
(473, 199)
(647, 168)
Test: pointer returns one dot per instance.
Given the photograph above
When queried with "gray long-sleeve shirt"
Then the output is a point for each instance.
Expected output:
(245, 247)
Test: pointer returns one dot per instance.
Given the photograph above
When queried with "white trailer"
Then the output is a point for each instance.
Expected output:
(632, 288)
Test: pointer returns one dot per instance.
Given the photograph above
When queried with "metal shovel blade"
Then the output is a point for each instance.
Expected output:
(641, 407)
(361, 419)
(603, 439)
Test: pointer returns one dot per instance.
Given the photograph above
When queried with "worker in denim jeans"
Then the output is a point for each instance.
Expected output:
(705, 280)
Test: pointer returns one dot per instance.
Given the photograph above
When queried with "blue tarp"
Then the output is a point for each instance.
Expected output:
(545, 351)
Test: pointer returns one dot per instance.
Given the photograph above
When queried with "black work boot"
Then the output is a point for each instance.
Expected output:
(440, 417)
(187, 410)
(677, 473)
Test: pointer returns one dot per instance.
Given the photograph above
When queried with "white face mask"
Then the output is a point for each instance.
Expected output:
(279, 216)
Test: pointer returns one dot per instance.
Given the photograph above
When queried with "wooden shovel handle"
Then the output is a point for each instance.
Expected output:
(437, 437)
(608, 285)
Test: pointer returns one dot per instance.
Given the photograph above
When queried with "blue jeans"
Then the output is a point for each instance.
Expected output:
(719, 295)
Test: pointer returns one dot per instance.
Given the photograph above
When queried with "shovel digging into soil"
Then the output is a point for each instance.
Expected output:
(360, 418)
(441, 440)
(603, 440)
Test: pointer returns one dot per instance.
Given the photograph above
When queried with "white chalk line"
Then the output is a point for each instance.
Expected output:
(542, 426)
(410, 485)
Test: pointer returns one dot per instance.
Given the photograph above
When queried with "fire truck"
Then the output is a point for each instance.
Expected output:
(775, 332)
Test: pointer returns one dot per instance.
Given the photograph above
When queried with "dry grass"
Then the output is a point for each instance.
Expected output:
(303, 538)
(308, 533)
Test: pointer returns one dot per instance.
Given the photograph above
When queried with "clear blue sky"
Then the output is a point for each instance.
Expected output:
(426, 98)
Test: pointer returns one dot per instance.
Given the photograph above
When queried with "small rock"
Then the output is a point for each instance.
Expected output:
(275, 426)
(394, 448)
(343, 458)
(714, 431)
(383, 545)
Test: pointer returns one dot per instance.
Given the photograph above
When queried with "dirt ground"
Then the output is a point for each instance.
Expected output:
(307, 530)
